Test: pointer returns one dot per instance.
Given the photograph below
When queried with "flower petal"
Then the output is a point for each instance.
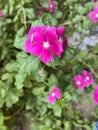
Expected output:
(51, 35)
(41, 28)
(60, 31)
(96, 9)
(31, 31)
(51, 99)
(39, 37)
(57, 48)
(57, 92)
(46, 56)
(36, 49)
(28, 45)
(92, 16)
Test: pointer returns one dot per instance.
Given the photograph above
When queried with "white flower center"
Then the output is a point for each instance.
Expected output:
(32, 37)
(87, 78)
(78, 82)
(46, 45)
(96, 15)
(51, 5)
(60, 39)
(53, 94)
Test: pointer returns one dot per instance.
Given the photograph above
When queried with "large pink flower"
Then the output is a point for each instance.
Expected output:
(93, 15)
(95, 94)
(54, 95)
(43, 41)
(1, 13)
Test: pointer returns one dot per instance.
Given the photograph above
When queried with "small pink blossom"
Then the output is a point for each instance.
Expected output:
(87, 76)
(93, 15)
(54, 95)
(44, 41)
(83, 80)
(1, 13)
(95, 94)
(52, 6)
(39, 13)
(79, 82)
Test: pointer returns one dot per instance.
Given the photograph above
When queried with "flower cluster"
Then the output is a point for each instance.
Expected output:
(93, 15)
(95, 94)
(52, 6)
(54, 95)
(83, 80)
(45, 42)
(1, 13)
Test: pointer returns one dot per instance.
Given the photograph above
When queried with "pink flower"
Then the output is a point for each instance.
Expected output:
(39, 13)
(83, 80)
(43, 41)
(54, 95)
(93, 15)
(79, 82)
(95, 94)
(62, 39)
(87, 76)
(94, 0)
(52, 6)
(1, 13)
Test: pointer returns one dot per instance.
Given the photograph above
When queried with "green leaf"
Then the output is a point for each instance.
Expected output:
(39, 75)
(38, 90)
(3, 128)
(57, 110)
(30, 13)
(19, 79)
(89, 6)
(37, 23)
(2, 93)
(95, 49)
(87, 23)
(81, 10)
(67, 125)
(1, 118)
(77, 18)
(67, 97)
(19, 42)
(14, 98)
(12, 66)
(6, 76)
(48, 19)
(32, 64)
(20, 39)
(58, 14)
(53, 81)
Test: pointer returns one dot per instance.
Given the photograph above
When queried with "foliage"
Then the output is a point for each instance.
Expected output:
(25, 81)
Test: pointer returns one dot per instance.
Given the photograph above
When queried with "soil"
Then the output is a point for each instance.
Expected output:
(86, 108)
